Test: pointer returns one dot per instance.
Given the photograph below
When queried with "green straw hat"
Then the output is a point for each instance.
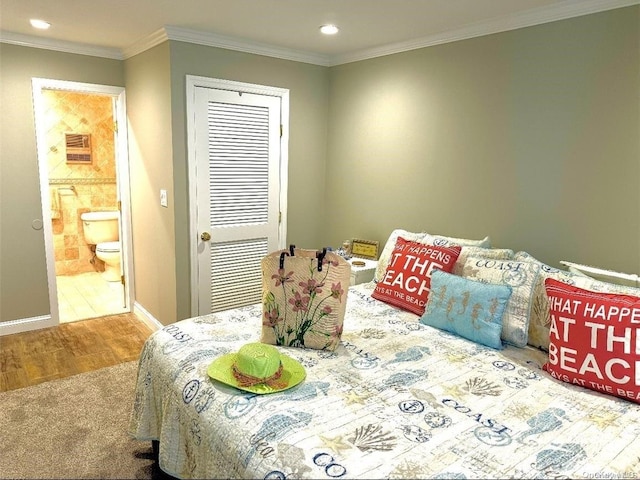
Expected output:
(258, 368)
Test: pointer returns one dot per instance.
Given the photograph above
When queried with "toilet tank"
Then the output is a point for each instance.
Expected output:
(100, 226)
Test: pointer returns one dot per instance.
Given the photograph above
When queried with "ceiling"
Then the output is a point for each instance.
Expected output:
(280, 28)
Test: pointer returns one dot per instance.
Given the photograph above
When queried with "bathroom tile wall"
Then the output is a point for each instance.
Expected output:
(78, 188)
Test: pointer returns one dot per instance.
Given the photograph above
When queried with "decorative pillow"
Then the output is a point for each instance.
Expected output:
(385, 254)
(407, 280)
(443, 241)
(467, 251)
(522, 277)
(610, 276)
(589, 283)
(539, 320)
(468, 308)
(422, 237)
(594, 339)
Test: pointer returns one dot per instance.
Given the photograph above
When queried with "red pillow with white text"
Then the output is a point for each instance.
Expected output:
(407, 280)
(593, 340)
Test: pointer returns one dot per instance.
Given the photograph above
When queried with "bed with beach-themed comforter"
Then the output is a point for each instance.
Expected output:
(396, 399)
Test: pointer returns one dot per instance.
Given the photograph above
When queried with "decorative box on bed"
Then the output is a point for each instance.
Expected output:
(396, 399)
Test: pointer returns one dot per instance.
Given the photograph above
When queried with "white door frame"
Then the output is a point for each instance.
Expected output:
(123, 185)
(192, 83)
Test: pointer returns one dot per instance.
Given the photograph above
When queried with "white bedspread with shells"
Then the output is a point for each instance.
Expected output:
(397, 399)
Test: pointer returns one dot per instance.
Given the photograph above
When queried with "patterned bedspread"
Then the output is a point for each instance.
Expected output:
(397, 399)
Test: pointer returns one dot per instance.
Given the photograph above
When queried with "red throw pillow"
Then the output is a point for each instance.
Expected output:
(407, 280)
(593, 340)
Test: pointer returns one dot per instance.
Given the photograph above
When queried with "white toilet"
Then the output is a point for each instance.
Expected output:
(109, 253)
(101, 230)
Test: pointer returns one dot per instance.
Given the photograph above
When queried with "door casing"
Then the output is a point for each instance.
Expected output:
(192, 83)
(123, 185)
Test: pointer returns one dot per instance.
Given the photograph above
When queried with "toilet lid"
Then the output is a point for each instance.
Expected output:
(109, 247)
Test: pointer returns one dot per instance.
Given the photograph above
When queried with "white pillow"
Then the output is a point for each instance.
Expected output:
(442, 241)
(422, 237)
(522, 277)
(619, 278)
(495, 253)
(385, 255)
(539, 319)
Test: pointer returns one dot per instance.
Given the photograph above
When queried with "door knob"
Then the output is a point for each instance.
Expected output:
(205, 236)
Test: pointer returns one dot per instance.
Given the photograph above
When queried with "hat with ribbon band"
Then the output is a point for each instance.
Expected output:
(258, 368)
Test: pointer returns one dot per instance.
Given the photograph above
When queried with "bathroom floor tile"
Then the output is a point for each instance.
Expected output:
(88, 295)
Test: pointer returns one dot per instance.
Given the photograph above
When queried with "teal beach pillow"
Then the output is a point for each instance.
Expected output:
(468, 308)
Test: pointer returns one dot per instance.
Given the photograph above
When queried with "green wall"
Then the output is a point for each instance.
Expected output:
(528, 136)
(156, 93)
(23, 273)
(148, 91)
(308, 109)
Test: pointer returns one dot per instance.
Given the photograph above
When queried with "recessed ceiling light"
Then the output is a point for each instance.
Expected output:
(329, 29)
(41, 24)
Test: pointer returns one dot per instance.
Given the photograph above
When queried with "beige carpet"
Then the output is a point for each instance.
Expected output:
(75, 427)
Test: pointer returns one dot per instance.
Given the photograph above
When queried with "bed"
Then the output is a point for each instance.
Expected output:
(396, 399)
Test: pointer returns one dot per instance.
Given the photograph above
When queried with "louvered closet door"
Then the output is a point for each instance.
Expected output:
(238, 156)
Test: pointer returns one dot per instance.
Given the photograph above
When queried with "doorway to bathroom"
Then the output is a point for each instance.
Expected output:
(84, 182)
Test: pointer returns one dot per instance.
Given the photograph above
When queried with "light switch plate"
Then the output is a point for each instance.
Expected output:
(164, 202)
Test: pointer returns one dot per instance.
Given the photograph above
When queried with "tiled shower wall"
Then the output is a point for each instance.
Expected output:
(78, 188)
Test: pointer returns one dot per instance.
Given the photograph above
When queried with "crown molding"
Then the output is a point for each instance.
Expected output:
(59, 45)
(150, 41)
(565, 10)
(538, 16)
(240, 45)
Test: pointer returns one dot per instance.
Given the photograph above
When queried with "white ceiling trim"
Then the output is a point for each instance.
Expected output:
(59, 45)
(568, 9)
(232, 43)
(150, 41)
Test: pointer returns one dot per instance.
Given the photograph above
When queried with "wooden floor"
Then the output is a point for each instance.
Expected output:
(38, 356)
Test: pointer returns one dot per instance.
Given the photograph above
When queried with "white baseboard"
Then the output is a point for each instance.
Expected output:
(26, 324)
(148, 319)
